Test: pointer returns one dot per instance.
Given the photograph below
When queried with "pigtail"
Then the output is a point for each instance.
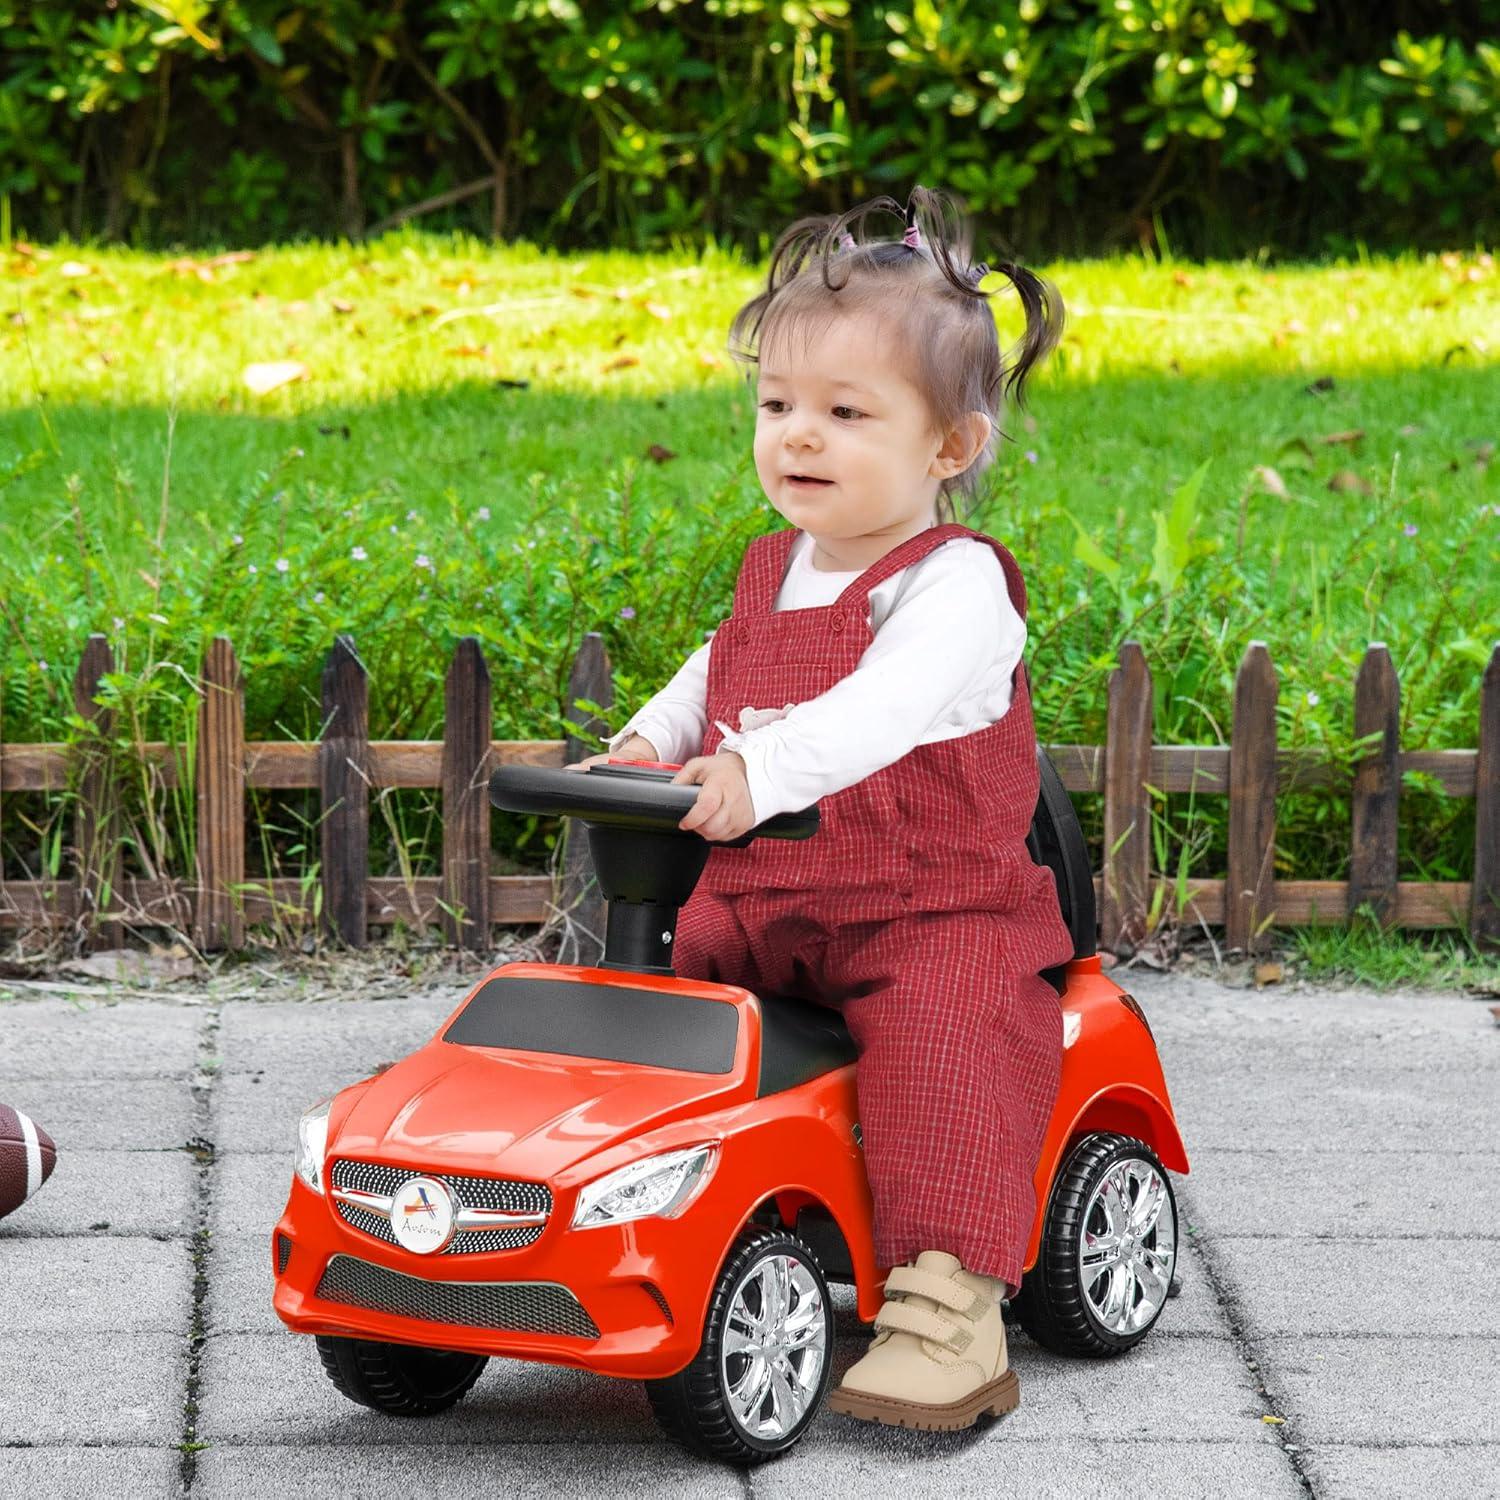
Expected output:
(1043, 306)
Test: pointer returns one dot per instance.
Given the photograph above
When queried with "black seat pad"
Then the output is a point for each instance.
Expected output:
(799, 1039)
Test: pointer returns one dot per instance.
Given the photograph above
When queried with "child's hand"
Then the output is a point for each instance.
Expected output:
(637, 747)
(723, 810)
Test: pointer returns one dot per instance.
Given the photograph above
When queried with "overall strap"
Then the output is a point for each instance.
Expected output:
(761, 572)
(914, 549)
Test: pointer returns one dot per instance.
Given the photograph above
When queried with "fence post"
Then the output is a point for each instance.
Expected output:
(220, 917)
(1377, 787)
(344, 778)
(467, 728)
(1250, 890)
(1127, 805)
(1484, 901)
(581, 900)
(96, 824)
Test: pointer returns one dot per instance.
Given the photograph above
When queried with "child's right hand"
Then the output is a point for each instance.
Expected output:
(637, 747)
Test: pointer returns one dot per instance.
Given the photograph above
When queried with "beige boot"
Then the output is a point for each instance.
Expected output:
(938, 1358)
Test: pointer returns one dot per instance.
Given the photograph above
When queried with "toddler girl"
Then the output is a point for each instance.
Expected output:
(872, 663)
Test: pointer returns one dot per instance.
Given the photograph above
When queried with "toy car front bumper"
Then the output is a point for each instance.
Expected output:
(624, 1300)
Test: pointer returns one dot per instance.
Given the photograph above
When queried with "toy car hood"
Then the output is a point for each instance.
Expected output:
(474, 1101)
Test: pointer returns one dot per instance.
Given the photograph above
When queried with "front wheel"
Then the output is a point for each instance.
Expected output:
(1108, 1252)
(400, 1379)
(767, 1353)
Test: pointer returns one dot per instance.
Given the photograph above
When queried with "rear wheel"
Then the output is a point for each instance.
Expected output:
(1108, 1253)
(763, 1367)
(400, 1379)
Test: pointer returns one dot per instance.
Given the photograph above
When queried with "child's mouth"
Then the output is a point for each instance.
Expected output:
(803, 482)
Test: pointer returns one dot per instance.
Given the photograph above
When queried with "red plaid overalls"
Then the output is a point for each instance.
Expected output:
(916, 911)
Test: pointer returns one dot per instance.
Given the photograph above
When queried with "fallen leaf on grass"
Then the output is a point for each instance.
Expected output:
(1274, 1421)
(1353, 435)
(1272, 481)
(469, 351)
(74, 268)
(1320, 386)
(272, 375)
(622, 363)
(658, 310)
(660, 454)
(341, 304)
(1347, 479)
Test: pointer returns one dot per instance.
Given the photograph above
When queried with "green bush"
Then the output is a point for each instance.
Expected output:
(1214, 125)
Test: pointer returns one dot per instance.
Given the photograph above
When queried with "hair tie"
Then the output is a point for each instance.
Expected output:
(846, 241)
(978, 272)
(912, 237)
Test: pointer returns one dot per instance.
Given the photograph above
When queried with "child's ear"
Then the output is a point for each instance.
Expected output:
(964, 443)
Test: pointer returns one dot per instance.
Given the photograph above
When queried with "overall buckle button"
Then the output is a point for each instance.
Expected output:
(836, 623)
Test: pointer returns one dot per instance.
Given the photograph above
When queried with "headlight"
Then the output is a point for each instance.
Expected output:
(312, 1144)
(658, 1187)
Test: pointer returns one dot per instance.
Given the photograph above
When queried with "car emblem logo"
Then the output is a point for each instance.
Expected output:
(422, 1217)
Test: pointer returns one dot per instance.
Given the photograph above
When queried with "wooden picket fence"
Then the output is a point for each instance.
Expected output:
(345, 765)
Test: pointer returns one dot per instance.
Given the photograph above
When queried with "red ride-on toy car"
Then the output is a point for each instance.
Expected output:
(653, 1177)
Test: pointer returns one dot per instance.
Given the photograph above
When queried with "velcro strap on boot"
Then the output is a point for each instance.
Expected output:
(898, 1317)
(950, 1294)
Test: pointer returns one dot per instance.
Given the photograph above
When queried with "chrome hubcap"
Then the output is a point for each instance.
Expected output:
(775, 1343)
(1129, 1246)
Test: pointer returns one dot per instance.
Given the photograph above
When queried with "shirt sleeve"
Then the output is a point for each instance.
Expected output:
(954, 627)
(676, 718)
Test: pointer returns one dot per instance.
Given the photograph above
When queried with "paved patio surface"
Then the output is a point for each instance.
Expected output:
(1338, 1334)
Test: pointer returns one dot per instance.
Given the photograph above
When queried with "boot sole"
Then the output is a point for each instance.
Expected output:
(997, 1398)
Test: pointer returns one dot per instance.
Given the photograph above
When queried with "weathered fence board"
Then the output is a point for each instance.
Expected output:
(96, 817)
(1377, 788)
(1127, 804)
(1250, 903)
(582, 902)
(344, 772)
(221, 800)
(1484, 910)
(466, 798)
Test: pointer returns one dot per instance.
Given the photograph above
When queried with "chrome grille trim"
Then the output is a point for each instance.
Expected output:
(507, 1306)
(494, 1213)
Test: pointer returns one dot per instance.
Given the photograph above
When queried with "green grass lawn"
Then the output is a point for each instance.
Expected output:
(526, 446)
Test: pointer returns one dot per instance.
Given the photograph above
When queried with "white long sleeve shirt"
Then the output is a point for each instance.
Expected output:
(947, 640)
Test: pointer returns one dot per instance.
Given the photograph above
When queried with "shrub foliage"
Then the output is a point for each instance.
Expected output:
(1218, 125)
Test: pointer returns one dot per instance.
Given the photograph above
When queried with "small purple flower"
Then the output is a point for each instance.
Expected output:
(318, 597)
(483, 512)
(358, 554)
(282, 565)
(1410, 528)
(423, 561)
(41, 664)
(1313, 700)
(252, 569)
(628, 613)
(1031, 455)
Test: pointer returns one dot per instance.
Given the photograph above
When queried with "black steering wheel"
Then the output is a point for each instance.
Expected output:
(625, 796)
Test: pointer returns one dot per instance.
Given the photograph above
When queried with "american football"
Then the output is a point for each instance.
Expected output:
(27, 1157)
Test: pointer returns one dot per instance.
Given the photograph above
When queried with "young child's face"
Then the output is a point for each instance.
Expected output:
(843, 412)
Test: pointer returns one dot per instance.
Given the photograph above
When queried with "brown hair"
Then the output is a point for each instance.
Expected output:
(928, 295)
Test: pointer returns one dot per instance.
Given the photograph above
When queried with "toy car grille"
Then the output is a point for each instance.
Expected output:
(283, 1253)
(513, 1306)
(469, 1192)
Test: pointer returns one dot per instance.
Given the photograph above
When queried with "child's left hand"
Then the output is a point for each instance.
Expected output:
(724, 810)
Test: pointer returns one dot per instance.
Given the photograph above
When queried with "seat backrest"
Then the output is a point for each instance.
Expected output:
(1056, 840)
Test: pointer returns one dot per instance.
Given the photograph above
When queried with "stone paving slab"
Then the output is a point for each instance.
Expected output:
(995, 1463)
(144, 1114)
(1319, 1193)
(127, 1192)
(96, 1039)
(1433, 1286)
(104, 1284)
(142, 1473)
(1367, 1472)
(1426, 1388)
(519, 1471)
(123, 1388)
(338, 1037)
(260, 1112)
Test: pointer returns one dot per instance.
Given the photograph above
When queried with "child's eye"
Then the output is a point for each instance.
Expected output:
(849, 409)
(837, 410)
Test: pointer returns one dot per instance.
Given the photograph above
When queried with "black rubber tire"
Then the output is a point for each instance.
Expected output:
(1051, 1304)
(399, 1379)
(691, 1407)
